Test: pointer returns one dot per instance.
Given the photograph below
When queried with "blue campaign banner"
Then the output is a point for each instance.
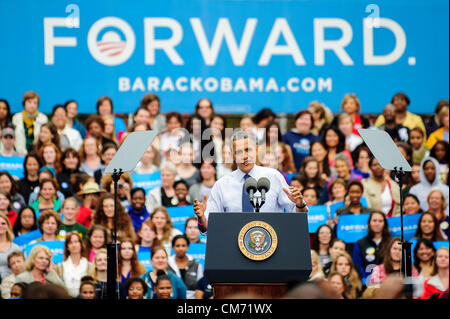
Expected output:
(179, 215)
(244, 54)
(147, 181)
(24, 239)
(197, 251)
(410, 223)
(144, 256)
(55, 246)
(291, 175)
(334, 207)
(12, 164)
(351, 228)
(317, 216)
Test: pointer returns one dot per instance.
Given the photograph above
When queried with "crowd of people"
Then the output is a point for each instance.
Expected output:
(65, 195)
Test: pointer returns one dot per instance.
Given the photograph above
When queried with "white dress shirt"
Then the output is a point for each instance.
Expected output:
(226, 194)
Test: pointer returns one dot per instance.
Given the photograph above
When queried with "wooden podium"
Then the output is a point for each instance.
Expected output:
(237, 269)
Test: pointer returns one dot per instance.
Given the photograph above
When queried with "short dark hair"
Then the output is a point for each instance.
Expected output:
(182, 236)
(305, 112)
(95, 118)
(56, 107)
(403, 96)
(132, 280)
(103, 99)
(263, 114)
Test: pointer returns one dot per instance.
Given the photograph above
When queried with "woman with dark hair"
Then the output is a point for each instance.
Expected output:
(310, 175)
(26, 221)
(335, 144)
(71, 162)
(31, 165)
(6, 207)
(355, 190)
(5, 114)
(300, 138)
(440, 152)
(206, 180)
(104, 216)
(428, 228)
(172, 137)
(322, 242)
(182, 193)
(273, 133)
(107, 154)
(318, 150)
(366, 251)
(48, 134)
(423, 260)
(261, 120)
(104, 107)
(411, 205)
(196, 126)
(95, 126)
(392, 255)
(8, 184)
(71, 107)
(361, 158)
(152, 103)
(96, 239)
(204, 108)
(437, 284)
(137, 210)
(69, 137)
(47, 199)
(217, 128)
(128, 263)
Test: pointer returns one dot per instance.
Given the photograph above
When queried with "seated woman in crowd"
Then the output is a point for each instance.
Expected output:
(322, 117)
(191, 230)
(164, 195)
(345, 125)
(352, 106)
(6, 207)
(71, 163)
(355, 190)
(438, 282)
(100, 276)
(362, 155)
(9, 185)
(95, 127)
(136, 288)
(184, 265)
(69, 210)
(417, 141)
(38, 267)
(428, 227)
(205, 182)
(319, 152)
(392, 256)
(124, 186)
(90, 156)
(335, 144)
(429, 178)
(104, 216)
(336, 247)
(128, 264)
(411, 205)
(96, 239)
(170, 138)
(381, 192)
(441, 134)
(182, 193)
(316, 271)
(26, 221)
(338, 284)
(343, 169)
(185, 169)
(321, 244)
(75, 265)
(48, 224)
(159, 261)
(68, 137)
(45, 173)
(110, 131)
(423, 261)
(310, 175)
(149, 162)
(311, 196)
(107, 154)
(436, 206)
(367, 250)
(157, 120)
(343, 264)
(50, 156)
(31, 165)
(336, 191)
(146, 237)
(137, 210)
(164, 228)
(440, 152)
(47, 134)
(47, 199)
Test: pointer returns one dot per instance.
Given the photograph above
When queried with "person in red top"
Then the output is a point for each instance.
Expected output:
(350, 104)
(438, 282)
(6, 207)
(89, 195)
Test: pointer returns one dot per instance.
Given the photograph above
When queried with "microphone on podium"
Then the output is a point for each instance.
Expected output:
(251, 187)
(263, 187)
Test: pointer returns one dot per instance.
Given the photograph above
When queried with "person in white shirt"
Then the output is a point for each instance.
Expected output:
(227, 194)
(69, 137)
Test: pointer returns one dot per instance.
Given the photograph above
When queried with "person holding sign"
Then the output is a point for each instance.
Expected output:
(228, 193)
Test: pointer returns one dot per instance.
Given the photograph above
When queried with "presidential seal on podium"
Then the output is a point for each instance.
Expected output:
(257, 240)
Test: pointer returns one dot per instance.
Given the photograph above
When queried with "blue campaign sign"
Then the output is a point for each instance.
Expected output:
(317, 216)
(147, 181)
(144, 256)
(291, 175)
(12, 164)
(244, 54)
(24, 239)
(55, 246)
(334, 207)
(410, 223)
(351, 228)
(179, 215)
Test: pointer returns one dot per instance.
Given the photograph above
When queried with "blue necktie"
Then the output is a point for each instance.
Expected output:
(246, 205)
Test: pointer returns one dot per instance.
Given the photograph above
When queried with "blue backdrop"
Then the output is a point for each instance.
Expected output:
(243, 55)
